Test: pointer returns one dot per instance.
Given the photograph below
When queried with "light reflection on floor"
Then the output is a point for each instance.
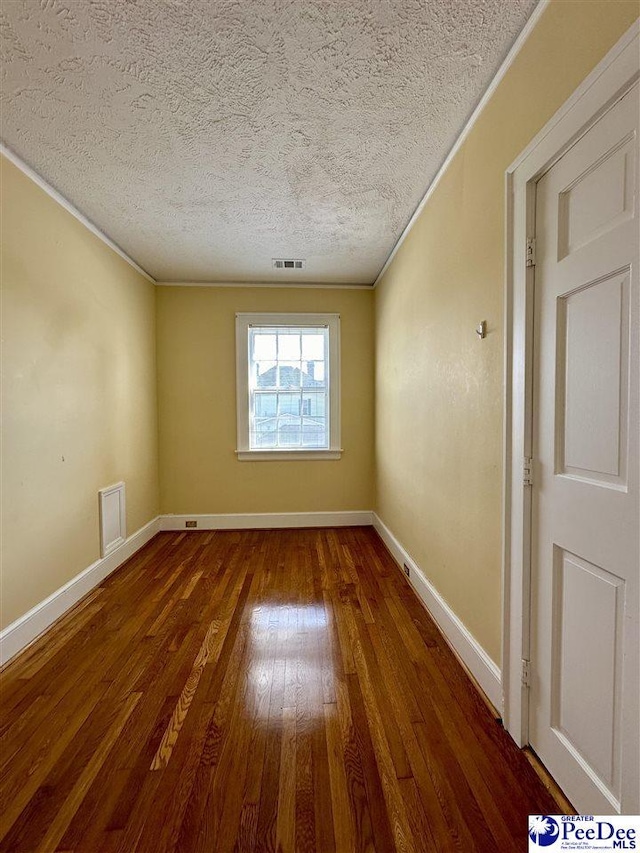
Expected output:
(287, 648)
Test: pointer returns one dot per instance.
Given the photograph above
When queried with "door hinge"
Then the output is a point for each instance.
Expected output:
(530, 253)
(526, 673)
(527, 471)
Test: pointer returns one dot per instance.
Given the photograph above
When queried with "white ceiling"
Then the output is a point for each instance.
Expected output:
(206, 138)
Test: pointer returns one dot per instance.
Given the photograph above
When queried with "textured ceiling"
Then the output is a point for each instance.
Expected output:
(206, 138)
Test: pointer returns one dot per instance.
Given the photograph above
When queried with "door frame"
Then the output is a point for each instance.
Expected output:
(610, 80)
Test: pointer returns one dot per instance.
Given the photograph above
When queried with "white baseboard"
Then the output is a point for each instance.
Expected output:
(24, 630)
(267, 520)
(485, 671)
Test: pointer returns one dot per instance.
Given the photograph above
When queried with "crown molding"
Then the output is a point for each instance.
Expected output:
(466, 130)
(70, 208)
(506, 64)
(283, 285)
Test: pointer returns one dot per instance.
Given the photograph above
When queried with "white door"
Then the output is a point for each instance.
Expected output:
(584, 712)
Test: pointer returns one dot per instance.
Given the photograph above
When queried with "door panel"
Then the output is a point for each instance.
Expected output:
(584, 713)
(598, 200)
(591, 737)
(593, 381)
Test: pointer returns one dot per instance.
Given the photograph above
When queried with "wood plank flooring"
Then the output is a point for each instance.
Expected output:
(255, 691)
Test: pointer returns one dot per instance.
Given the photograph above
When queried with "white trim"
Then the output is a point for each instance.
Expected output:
(107, 547)
(19, 163)
(624, 54)
(267, 520)
(606, 84)
(15, 637)
(495, 82)
(284, 455)
(481, 666)
(244, 321)
(28, 627)
(466, 130)
(70, 208)
(283, 285)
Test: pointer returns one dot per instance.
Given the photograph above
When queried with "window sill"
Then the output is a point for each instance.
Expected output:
(286, 455)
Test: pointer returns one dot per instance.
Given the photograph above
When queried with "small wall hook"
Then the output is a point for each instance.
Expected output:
(481, 329)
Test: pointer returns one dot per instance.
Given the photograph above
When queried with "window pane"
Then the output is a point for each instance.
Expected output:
(264, 433)
(314, 432)
(314, 404)
(288, 389)
(288, 346)
(265, 374)
(288, 404)
(289, 431)
(289, 374)
(264, 347)
(313, 346)
(266, 405)
(313, 374)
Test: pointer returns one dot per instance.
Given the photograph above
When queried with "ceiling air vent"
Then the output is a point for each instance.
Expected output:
(288, 264)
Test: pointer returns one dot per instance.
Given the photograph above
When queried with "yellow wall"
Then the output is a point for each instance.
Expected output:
(79, 368)
(197, 406)
(78, 393)
(439, 389)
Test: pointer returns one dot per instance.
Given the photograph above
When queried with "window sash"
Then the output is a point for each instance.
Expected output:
(290, 424)
(252, 395)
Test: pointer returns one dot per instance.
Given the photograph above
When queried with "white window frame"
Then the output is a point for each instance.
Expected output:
(243, 323)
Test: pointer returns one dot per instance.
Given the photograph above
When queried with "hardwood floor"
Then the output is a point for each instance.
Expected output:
(255, 690)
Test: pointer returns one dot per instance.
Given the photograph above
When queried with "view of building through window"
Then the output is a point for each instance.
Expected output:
(289, 387)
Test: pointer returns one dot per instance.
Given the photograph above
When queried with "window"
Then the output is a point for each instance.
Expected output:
(288, 386)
